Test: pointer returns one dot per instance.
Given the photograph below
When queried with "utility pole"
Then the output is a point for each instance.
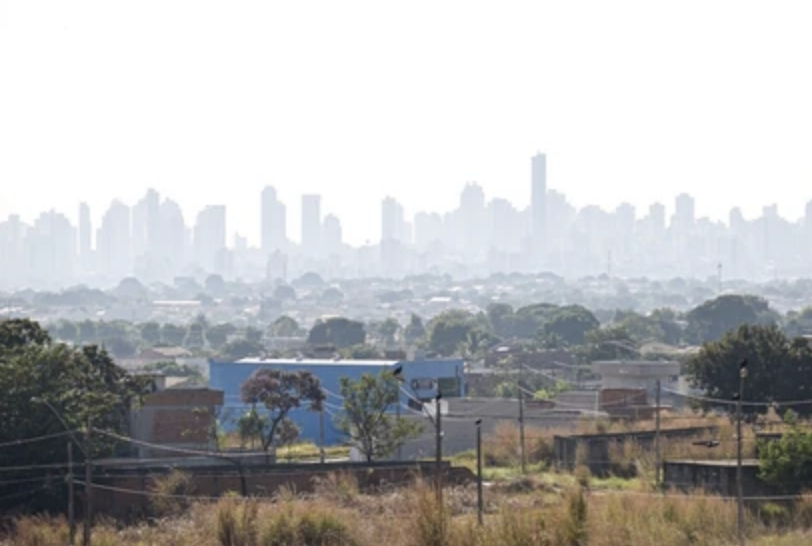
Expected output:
(521, 419)
(397, 414)
(71, 511)
(657, 450)
(88, 487)
(321, 434)
(739, 482)
(438, 468)
(479, 501)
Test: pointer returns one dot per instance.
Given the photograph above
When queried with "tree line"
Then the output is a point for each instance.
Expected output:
(452, 332)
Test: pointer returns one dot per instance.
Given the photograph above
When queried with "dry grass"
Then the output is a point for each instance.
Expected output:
(341, 516)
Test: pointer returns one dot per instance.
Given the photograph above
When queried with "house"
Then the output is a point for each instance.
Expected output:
(164, 353)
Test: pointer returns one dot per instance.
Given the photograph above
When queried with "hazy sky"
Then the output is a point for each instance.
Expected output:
(209, 101)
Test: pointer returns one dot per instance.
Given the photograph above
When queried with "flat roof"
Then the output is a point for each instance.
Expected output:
(711, 462)
(315, 362)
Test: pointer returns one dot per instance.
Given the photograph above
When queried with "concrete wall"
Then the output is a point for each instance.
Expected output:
(594, 450)
(715, 477)
(122, 495)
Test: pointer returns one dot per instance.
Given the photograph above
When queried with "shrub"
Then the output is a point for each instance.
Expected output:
(171, 494)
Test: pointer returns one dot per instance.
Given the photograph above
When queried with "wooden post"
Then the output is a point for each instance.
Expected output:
(71, 510)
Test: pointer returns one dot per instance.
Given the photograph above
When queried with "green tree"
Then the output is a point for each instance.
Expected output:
(79, 383)
(711, 320)
(388, 330)
(366, 417)
(88, 333)
(787, 461)
(570, 324)
(279, 392)
(502, 319)
(337, 331)
(172, 334)
(449, 330)
(611, 343)
(778, 367)
(241, 348)
(361, 352)
(414, 331)
(287, 433)
(151, 333)
(195, 336)
(217, 335)
(285, 326)
(67, 331)
(528, 320)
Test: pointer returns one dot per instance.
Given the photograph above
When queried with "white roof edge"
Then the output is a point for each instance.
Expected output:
(314, 361)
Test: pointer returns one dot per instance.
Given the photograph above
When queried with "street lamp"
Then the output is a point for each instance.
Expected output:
(398, 374)
(438, 433)
(85, 449)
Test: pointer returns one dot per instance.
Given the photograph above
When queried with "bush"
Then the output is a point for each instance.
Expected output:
(171, 494)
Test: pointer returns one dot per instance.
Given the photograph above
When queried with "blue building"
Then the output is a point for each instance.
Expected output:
(421, 380)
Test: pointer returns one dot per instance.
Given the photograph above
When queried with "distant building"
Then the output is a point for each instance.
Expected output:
(311, 224)
(538, 205)
(422, 379)
(273, 222)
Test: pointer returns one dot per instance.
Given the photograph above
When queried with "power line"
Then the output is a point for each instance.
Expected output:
(733, 402)
(15, 443)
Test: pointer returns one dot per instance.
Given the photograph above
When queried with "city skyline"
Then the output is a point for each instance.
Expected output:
(152, 239)
(292, 225)
(350, 106)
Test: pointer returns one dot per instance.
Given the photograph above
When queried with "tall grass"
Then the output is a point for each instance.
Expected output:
(414, 517)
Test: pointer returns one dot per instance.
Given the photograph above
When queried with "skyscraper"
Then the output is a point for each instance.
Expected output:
(113, 242)
(273, 234)
(311, 224)
(474, 225)
(210, 236)
(538, 205)
(392, 222)
(146, 224)
(332, 234)
(85, 234)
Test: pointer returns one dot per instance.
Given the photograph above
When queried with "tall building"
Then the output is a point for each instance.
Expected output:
(273, 234)
(684, 213)
(146, 233)
(474, 223)
(85, 235)
(114, 243)
(311, 224)
(428, 230)
(392, 221)
(332, 234)
(210, 236)
(538, 205)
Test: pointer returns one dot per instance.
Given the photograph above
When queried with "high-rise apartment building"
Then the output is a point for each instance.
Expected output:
(210, 236)
(332, 235)
(474, 224)
(85, 234)
(146, 232)
(113, 242)
(392, 220)
(273, 223)
(311, 224)
(538, 205)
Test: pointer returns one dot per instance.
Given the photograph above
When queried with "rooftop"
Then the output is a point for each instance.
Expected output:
(315, 362)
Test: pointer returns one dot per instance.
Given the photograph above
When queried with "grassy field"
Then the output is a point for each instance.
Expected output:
(541, 507)
(339, 515)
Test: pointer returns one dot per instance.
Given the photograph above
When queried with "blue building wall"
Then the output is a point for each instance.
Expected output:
(421, 380)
